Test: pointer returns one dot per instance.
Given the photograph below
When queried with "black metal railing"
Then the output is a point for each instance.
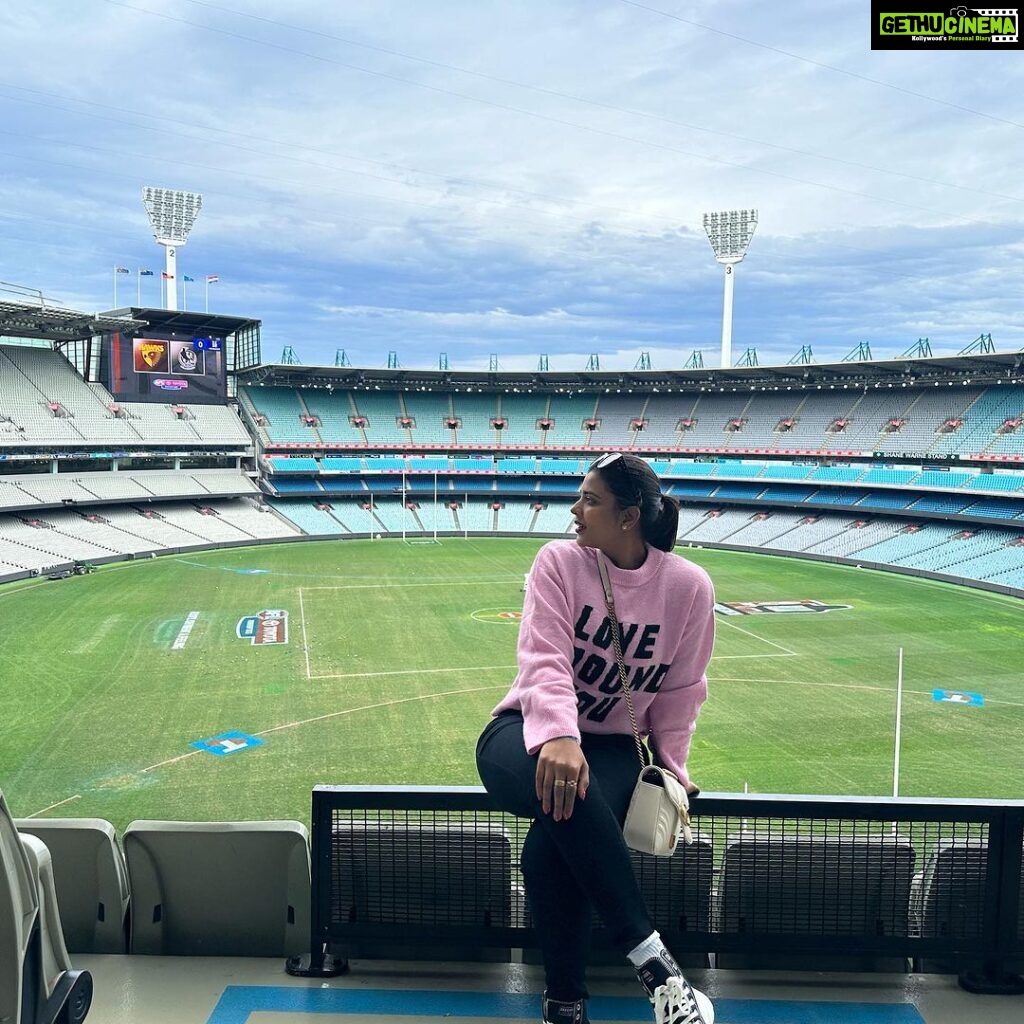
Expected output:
(769, 881)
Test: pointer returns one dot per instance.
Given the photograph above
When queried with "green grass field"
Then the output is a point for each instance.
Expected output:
(398, 651)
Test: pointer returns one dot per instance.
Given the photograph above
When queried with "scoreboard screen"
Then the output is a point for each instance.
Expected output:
(166, 369)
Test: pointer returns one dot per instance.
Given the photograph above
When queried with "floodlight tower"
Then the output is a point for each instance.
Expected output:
(729, 233)
(171, 215)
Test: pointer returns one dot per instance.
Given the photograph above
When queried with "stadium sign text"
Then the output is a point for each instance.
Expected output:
(269, 626)
(776, 607)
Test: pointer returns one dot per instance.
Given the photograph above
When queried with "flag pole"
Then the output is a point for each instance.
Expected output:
(138, 281)
(184, 293)
(115, 287)
(207, 310)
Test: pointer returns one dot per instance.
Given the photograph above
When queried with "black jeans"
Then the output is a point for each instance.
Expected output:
(570, 867)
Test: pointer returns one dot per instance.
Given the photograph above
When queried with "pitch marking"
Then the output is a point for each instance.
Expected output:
(335, 714)
(772, 643)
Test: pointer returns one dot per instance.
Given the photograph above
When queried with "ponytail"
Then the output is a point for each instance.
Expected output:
(662, 533)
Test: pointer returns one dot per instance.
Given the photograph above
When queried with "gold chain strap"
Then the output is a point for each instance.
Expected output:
(609, 602)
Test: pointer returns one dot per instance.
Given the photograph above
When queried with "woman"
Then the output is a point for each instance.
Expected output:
(560, 748)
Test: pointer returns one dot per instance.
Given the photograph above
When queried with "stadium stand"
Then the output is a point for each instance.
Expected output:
(201, 888)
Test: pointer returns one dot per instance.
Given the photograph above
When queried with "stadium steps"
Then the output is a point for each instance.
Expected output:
(306, 412)
(415, 513)
(404, 411)
(455, 517)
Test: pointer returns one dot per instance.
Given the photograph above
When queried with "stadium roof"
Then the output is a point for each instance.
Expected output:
(186, 321)
(35, 320)
(989, 368)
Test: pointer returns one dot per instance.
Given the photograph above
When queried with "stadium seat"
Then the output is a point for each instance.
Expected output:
(219, 888)
(90, 879)
(801, 885)
(421, 875)
(37, 985)
(947, 898)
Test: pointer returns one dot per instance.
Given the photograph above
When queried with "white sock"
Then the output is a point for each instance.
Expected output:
(651, 947)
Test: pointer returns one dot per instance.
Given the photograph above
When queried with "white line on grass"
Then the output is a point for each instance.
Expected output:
(420, 671)
(842, 686)
(732, 625)
(305, 641)
(77, 796)
(332, 714)
(439, 583)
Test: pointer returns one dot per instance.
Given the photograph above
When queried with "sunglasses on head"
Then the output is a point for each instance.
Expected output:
(609, 459)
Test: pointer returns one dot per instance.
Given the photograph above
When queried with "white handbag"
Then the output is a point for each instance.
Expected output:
(659, 810)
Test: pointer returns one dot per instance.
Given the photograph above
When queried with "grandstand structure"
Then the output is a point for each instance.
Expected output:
(912, 465)
(91, 475)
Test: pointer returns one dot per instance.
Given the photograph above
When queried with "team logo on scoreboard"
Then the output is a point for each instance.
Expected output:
(186, 359)
(150, 356)
(269, 626)
(775, 607)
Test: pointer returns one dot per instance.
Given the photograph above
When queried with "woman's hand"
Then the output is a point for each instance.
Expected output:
(562, 775)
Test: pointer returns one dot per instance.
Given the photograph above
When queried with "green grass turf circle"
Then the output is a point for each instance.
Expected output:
(397, 652)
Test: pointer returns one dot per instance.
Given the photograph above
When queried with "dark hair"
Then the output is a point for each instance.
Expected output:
(632, 482)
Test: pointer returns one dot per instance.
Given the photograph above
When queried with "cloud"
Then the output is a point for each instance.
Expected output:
(529, 177)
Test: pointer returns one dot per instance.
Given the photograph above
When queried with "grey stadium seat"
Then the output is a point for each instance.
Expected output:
(37, 985)
(219, 888)
(805, 885)
(947, 899)
(91, 881)
(421, 875)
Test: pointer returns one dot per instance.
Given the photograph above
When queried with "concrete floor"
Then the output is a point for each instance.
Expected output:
(180, 990)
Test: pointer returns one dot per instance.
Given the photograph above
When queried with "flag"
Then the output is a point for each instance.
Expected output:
(190, 280)
(145, 273)
(122, 270)
(166, 276)
(212, 278)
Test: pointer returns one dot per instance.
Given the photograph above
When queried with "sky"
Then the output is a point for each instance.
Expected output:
(471, 180)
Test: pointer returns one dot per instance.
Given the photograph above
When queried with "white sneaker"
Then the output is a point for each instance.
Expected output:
(678, 1002)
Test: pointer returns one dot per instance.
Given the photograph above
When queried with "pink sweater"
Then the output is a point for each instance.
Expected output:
(568, 681)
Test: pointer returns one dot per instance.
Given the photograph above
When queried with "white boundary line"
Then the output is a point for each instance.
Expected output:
(77, 796)
(842, 686)
(332, 714)
(390, 584)
(761, 638)
(421, 671)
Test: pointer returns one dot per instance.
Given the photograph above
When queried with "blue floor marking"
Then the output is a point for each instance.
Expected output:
(239, 1001)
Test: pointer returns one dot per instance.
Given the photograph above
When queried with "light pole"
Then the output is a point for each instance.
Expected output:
(729, 233)
(171, 215)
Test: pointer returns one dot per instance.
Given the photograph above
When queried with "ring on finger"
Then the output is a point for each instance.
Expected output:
(560, 782)
(572, 784)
